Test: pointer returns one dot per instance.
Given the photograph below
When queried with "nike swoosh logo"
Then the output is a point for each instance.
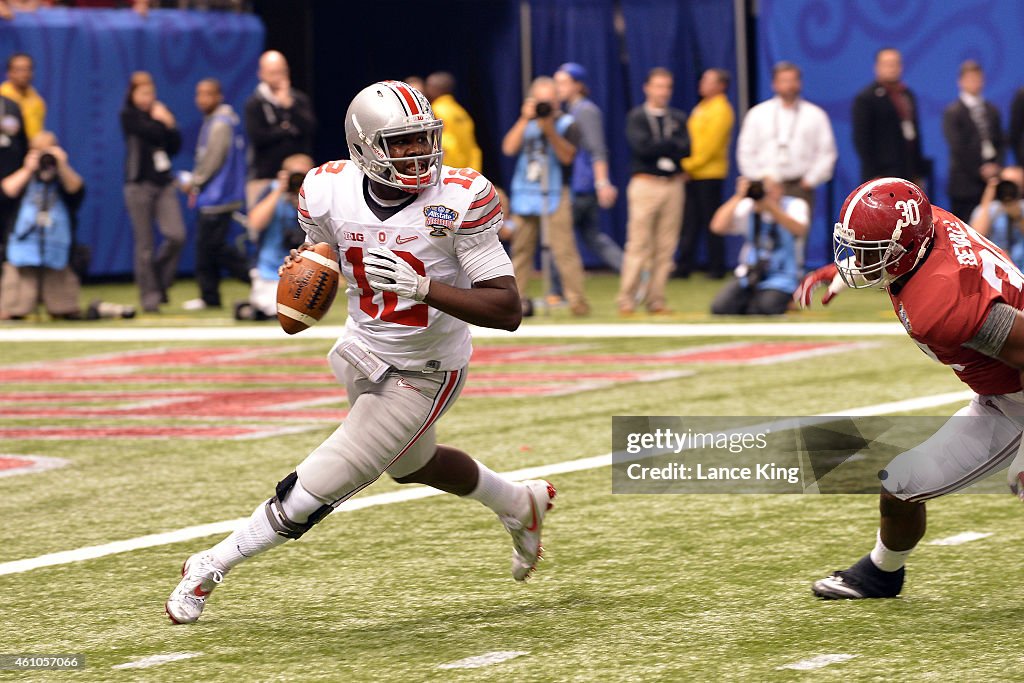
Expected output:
(533, 509)
(403, 240)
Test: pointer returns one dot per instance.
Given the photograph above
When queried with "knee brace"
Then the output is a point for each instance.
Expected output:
(284, 526)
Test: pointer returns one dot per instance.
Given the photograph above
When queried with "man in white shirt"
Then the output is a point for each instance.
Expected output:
(787, 138)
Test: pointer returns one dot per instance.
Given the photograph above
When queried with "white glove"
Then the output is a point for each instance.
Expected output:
(387, 272)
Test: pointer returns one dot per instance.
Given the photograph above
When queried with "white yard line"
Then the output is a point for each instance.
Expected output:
(405, 494)
(817, 662)
(156, 660)
(961, 538)
(527, 331)
(485, 659)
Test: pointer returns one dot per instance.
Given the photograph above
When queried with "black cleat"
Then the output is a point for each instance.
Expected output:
(862, 580)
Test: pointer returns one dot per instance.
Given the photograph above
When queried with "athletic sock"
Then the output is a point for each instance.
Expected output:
(888, 560)
(251, 538)
(505, 497)
(299, 504)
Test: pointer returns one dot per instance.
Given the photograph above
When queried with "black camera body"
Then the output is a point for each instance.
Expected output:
(1007, 191)
(756, 190)
(47, 164)
(295, 182)
(543, 109)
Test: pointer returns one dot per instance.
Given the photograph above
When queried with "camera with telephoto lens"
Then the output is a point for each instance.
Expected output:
(47, 163)
(1007, 191)
(543, 109)
(295, 182)
(756, 190)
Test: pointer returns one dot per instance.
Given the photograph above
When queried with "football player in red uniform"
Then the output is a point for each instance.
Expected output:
(960, 299)
(419, 251)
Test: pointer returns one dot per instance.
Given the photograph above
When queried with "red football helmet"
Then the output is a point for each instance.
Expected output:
(884, 229)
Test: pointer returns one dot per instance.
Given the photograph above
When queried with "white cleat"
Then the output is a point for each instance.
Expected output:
(527, 548)
(199, 576)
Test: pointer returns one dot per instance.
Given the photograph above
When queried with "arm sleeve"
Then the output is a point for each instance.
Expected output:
(260, 132)
(592, 132)
(825, 152)
(861, 116)
(712, 136)
(994, 331)
(217, 145)
(315, 227)
(746, 147)
(135, 122)
(476, 240)
(302, 114)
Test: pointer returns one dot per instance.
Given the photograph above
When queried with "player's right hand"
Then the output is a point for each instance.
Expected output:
(294, 256)
(826, 276)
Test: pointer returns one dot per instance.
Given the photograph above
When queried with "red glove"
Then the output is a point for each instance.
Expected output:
(826, 276)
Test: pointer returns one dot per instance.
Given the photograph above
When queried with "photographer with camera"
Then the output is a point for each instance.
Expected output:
(768, 272)
(545, 140)
(47, 192)
(1000, 215)
(272, 226)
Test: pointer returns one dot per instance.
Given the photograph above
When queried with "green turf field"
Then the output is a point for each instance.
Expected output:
(633, 587)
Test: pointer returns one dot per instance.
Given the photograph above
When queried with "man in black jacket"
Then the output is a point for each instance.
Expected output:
(279, 122)
(658, 142)
(886, 128)
(974, 134)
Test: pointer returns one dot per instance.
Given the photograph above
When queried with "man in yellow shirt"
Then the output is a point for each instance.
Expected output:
(710, 128)
(18, 87)
(459, 139)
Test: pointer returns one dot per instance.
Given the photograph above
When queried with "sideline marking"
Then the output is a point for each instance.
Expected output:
(252, 332)
(414, 493)
(961, 538)
(816, 662)
(156, 660)
(485, 659)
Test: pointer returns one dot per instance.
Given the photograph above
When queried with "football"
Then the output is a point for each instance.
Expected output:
(307, 288)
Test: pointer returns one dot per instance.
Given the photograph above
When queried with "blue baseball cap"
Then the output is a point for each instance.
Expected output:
(576, 71)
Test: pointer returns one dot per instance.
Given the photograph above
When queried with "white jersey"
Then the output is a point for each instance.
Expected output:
(443, 229)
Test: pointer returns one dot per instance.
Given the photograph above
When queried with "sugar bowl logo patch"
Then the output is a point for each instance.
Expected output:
(439, 219)
(904, 318)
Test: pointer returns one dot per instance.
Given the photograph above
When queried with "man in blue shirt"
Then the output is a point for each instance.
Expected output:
(272, 225)
(769, 271)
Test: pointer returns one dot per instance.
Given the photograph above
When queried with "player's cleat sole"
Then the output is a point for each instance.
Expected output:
(861, 581)
(526, 533)
(199, 576)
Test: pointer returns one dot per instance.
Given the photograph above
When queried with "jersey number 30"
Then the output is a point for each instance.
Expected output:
(414, 316)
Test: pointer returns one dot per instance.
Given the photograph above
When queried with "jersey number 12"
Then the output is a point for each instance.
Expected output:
(414, 316)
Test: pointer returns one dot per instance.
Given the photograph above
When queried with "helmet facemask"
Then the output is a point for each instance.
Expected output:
(373, 155)
(872, 263)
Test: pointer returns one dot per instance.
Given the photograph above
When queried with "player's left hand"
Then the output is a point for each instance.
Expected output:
(825, 276)
(388, 272)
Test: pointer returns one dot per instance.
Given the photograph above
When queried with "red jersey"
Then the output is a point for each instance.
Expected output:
(946, 300)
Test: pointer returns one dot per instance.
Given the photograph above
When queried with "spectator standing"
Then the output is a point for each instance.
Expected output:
(47, 192)
(18, 87)
(151, 139)
(273, 227)
(974, 133)
(216, 187)
(590, 182)
(769, 269)
(459, 140)
(710, 129)
(886, 127)
(544, 140)
(1016, 133)
(787, 138)
(279, 121)
(13, 146)
(658, 143)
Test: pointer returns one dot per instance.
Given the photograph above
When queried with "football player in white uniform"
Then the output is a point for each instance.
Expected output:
(419, 251)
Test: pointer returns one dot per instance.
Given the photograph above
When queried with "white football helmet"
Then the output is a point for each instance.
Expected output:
(389, 109)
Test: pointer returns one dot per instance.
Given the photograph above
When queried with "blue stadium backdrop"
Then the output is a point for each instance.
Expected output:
(835, 42)
(83, 61)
